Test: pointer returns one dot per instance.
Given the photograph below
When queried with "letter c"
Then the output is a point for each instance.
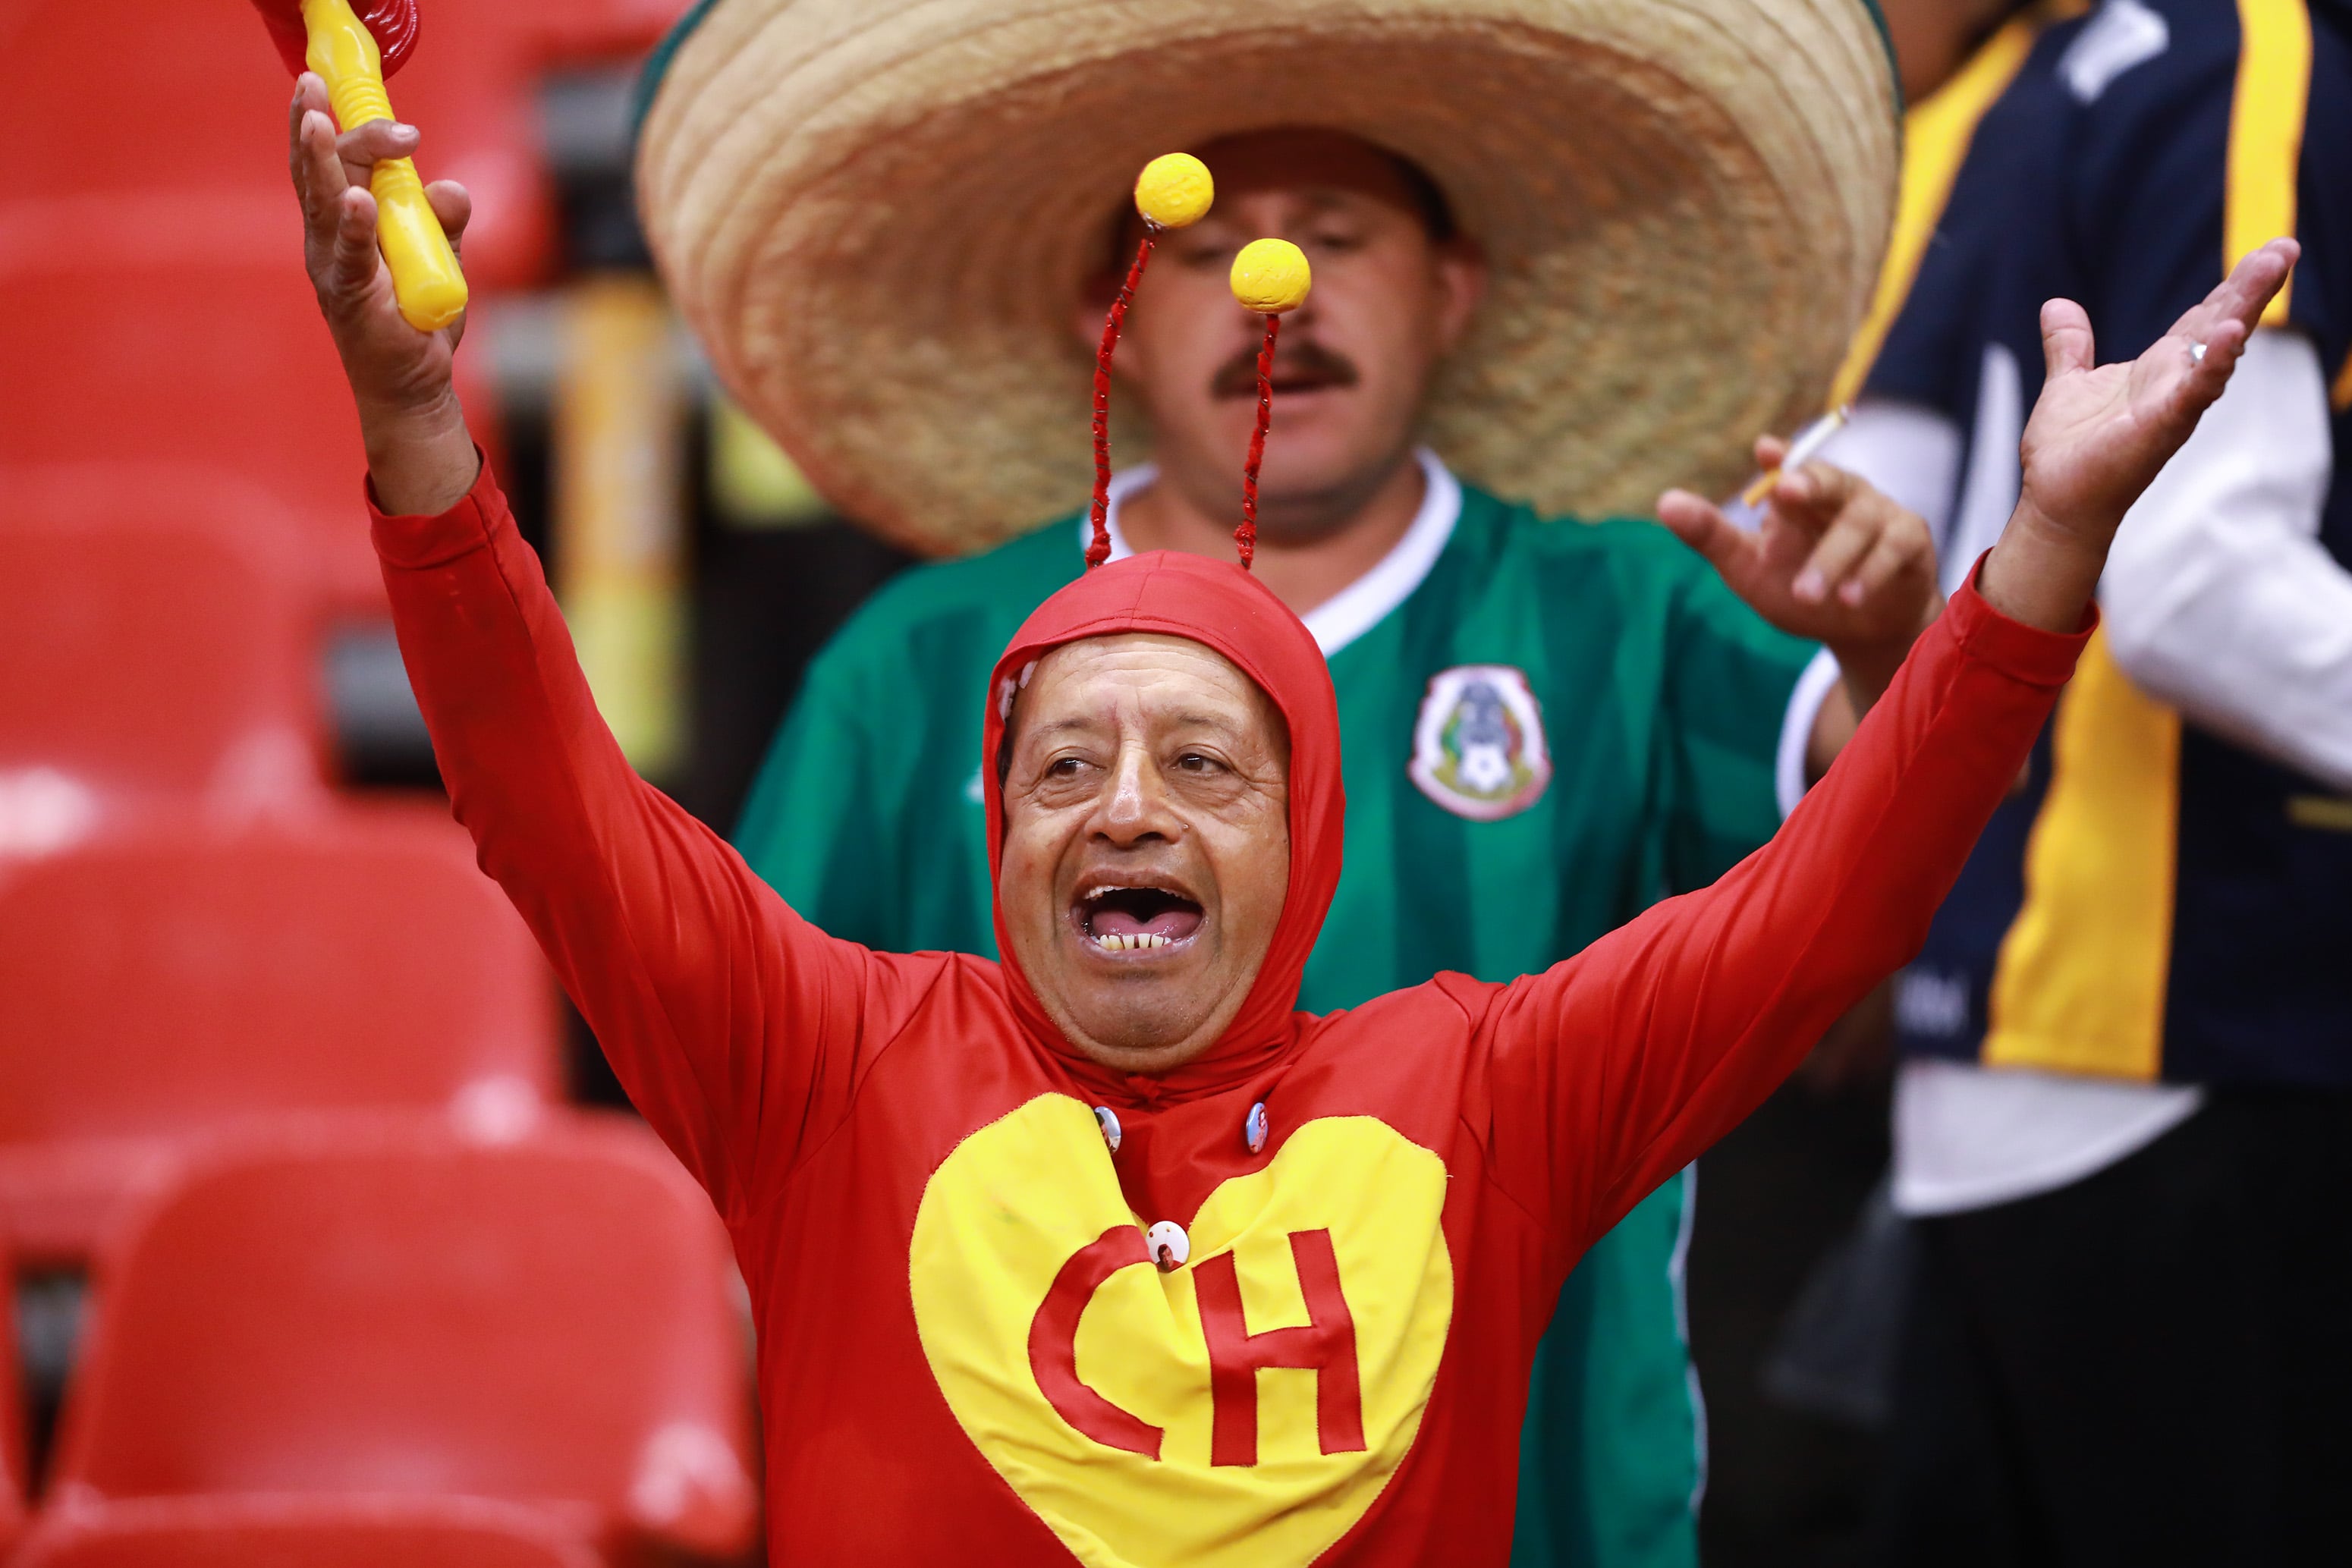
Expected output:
(1054, 1344)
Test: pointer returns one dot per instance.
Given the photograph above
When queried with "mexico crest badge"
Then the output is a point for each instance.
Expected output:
(1478, 745)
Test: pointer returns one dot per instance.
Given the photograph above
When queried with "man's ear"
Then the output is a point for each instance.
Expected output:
(1086, 318)
(1461, 284)
(1091, 306)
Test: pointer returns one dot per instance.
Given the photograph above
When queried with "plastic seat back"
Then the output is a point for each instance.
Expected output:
(589, 29)
(403, 1311)
(201, 352)
(172, 984)
(304, 1533)
(208, 68)
(211, 72)
(158, 644)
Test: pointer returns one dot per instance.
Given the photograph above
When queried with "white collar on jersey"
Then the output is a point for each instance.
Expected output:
(1366, 601)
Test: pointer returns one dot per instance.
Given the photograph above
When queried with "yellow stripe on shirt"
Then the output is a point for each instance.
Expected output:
(2079, 985)
(2266, 112)
(2328, 813)
(1936, 138)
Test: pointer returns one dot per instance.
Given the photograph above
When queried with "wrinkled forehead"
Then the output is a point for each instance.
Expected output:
(1142, 680)
(1309, 163)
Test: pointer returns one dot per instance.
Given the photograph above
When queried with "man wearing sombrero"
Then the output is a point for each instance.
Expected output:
(1105, 1252)
(1548, 725)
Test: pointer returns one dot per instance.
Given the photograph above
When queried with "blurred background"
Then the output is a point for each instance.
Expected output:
(400, 1238)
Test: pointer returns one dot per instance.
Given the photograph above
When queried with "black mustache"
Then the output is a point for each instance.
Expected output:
(1300, 358)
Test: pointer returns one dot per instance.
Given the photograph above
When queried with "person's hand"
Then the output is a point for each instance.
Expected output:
(1835, 561)
(2099, 434)
(418, 452)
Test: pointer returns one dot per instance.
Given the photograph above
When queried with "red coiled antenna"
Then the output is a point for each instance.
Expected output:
(1173, 191)
(1098, 548)
(1245, 537)
(1270, 277)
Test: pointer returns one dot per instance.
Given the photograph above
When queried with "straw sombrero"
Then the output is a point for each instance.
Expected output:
(877, 213)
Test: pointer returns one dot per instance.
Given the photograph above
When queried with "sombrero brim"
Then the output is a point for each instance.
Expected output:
(877, 213)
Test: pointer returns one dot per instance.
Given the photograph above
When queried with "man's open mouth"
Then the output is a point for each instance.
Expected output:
(1136, 919)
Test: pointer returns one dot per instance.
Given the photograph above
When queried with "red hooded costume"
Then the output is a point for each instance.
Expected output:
(966, 1355)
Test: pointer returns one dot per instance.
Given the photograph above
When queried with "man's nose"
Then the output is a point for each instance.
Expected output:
(1136, 806)
(1302, 320)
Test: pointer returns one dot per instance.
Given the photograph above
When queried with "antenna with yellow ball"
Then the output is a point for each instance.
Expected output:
(1172, 192)
(1270, 277)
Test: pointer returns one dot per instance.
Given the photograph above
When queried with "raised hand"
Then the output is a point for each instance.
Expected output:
(2099, 434)
(418, 452)
(1835, 561)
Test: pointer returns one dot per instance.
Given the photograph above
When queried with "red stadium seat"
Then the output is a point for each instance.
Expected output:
(175, 985)
(84, 87)
(393, 1310)
(204, 357)
(158, 645)
(587, 29)
(304, 1533)
(200, 356)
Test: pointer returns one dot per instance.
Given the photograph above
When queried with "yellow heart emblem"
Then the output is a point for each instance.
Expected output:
(1245, 1408)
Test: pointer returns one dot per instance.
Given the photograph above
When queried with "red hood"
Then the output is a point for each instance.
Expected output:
(1218, 605)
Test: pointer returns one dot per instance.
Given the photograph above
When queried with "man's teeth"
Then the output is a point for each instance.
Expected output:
(1135, 944)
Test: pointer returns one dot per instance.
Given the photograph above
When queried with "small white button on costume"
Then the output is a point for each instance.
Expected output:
(1108, 1120)
(1168, 1245)
(1253, 1128)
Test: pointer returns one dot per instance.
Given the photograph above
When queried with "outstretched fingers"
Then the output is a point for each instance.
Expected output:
(1838, 509)
(2241, 297)
(2067, 346)
(1894, 552)
(2186, 370)
(1700, 524)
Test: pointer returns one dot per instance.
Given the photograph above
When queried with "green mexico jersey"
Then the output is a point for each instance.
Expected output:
(1556, 724)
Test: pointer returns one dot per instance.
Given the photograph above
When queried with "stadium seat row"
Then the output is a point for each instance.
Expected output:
(360, 1336)
(281, 1068)
(150, 247)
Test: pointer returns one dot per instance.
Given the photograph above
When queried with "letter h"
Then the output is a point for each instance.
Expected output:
(1326, 1346)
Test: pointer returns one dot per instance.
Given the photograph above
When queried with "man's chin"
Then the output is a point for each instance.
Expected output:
(1129, 1035)
(1316, 475)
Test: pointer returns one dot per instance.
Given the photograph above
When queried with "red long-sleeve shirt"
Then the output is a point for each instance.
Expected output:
(965, 1354)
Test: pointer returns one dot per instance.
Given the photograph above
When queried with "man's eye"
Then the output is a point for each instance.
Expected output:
(1063, 767)
(1195, 762)
(1336, 242)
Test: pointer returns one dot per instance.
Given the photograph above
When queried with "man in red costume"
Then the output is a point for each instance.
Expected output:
(1105, 1252)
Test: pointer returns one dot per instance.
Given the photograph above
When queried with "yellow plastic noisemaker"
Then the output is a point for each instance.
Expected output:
(425, 277)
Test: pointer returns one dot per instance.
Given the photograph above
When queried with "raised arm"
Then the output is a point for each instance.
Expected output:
(735, 1026)
(1614, 1069)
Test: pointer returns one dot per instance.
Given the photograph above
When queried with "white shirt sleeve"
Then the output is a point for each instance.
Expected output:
(2218, 598)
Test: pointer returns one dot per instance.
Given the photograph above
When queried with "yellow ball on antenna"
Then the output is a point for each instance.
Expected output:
(1270, 277)
(1175, 191)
